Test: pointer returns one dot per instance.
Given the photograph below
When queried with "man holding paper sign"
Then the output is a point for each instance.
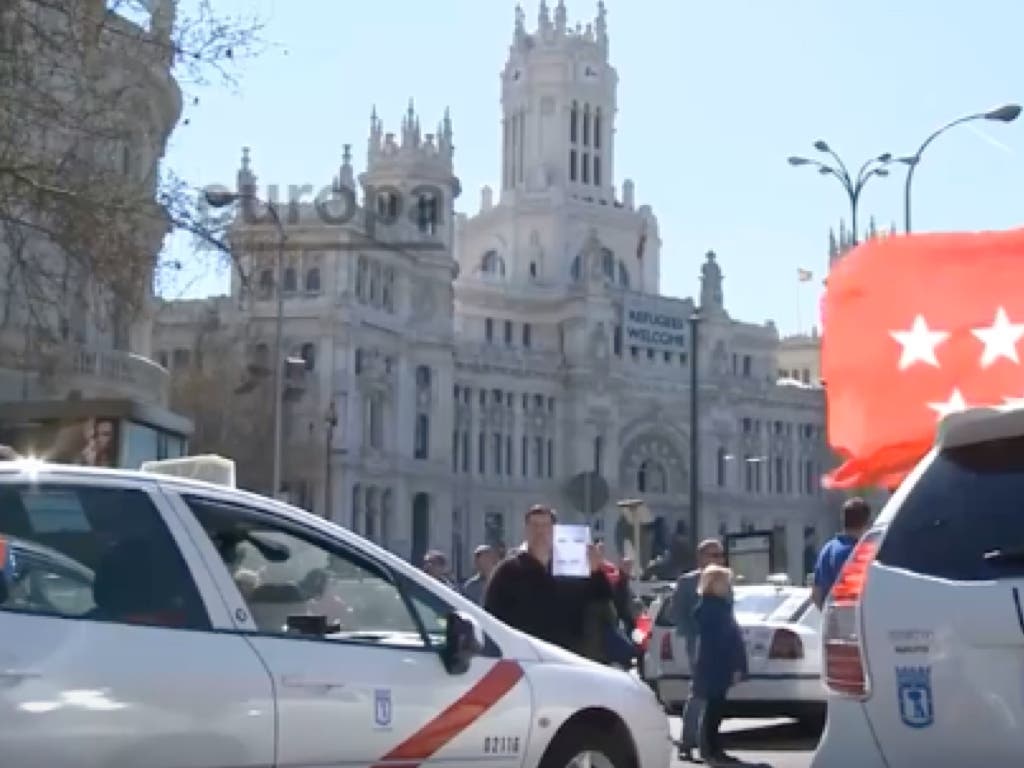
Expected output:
(545, 592)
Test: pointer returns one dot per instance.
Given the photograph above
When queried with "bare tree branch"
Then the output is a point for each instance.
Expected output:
(225, 389)
(87, 102)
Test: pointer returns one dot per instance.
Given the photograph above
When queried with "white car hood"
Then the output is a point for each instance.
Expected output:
(552, 654)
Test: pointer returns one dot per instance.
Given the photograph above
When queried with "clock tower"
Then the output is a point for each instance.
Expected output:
(558, 105)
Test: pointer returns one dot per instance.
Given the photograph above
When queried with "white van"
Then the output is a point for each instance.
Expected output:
(923, 632)
(159, 620)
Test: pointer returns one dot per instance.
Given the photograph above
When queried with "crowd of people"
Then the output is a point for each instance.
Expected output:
(595, 616)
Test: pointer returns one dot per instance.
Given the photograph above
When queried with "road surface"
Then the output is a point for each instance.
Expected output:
(775, 743)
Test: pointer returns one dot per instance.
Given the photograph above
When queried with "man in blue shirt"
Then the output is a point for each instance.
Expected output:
(856, 518)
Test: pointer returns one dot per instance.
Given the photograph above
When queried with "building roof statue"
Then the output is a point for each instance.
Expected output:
(711, 296)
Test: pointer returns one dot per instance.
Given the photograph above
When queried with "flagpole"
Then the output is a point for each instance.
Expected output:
(799, 314)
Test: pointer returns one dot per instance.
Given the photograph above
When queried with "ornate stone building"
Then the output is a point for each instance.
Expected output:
(527, 344)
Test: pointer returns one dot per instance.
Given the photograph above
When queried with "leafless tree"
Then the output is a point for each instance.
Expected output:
(86, 105)
(227, 392)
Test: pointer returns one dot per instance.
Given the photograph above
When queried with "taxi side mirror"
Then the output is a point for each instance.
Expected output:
(464, 639)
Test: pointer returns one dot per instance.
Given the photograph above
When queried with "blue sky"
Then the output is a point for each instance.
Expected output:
(713, 97)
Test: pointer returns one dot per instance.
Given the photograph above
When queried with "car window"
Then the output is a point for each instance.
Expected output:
(93, 553)
(760, 606)
(968, 503)
(283, 572)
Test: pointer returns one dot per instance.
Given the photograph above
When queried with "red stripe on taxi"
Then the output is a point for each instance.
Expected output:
(490, 689)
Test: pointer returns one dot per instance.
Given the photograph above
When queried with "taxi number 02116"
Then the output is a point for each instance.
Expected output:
(501, 745)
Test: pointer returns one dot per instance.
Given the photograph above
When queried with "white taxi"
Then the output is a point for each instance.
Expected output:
(199, 626)
(781, 628)
(924, 628)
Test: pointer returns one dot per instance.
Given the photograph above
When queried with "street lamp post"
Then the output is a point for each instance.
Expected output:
(1005, 114)
(331, 419)
(853, 185)
(221, 198)
(695, 319)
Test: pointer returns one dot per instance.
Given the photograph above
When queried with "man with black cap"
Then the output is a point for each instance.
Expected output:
(525, 594)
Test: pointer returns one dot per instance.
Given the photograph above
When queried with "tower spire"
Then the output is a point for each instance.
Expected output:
(519, 34)
(373, 142)
(601, 25)
(543, 17)
(246, 179)
(560, 17)
(346, 177)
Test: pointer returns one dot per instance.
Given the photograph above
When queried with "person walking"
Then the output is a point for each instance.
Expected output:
(435, 564)
(855, 520)
(525, 594)
(721, 660)
(684, 602)
(485, 560)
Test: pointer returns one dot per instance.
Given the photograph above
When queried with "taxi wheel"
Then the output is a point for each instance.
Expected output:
(587, 748)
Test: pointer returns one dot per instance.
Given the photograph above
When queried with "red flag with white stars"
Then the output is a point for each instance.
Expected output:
(918, 327)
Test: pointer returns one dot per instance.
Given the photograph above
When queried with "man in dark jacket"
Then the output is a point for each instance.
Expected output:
(524, 593)
(624, 596)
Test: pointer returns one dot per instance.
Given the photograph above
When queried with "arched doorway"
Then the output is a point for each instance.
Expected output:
(420, 527)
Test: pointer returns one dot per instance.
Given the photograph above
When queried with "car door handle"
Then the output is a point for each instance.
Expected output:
(298, 681)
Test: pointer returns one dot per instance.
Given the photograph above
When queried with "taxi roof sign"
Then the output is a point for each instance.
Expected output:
(209, 468)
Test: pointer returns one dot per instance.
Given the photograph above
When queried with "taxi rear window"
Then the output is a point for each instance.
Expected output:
(966, 506)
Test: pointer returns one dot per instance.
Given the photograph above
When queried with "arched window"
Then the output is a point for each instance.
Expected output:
(421, 440)
(372, 511)
(721, 460)
(427, 214)
(492, 264)
(313, 280)
(389, 289)
(386, 513)
(362, 267)
(308, 354)
(420, 526)
(650, 478)
(574, 118)
(623, 275)
(608, 263)
(266, 282)
(261, 356)
(586, 125)
(375, 284)
(358, 364)
(357, 507)
(387, 206)
(577, 265)
(291, 280)
(597, 129)
(533, 270)
(422, 377)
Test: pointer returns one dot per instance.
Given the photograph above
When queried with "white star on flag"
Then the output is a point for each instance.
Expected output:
(919, 343)
(955, 404)
(1000, 339)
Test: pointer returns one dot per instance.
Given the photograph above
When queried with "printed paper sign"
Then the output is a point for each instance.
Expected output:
(570, 553)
